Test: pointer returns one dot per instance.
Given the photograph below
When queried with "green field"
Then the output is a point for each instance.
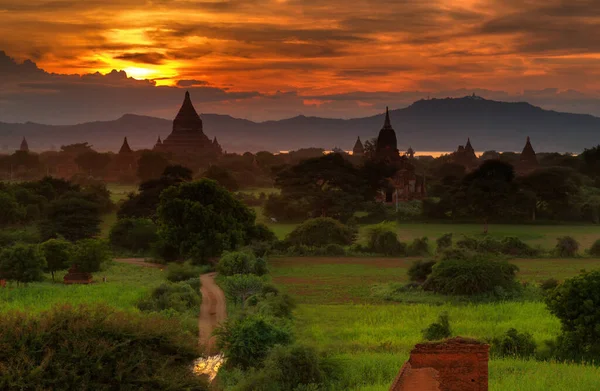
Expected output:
(125, 285)
(338, 313)
(119, 192)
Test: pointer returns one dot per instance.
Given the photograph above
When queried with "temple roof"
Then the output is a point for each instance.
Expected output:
(187, 118)
(24, 146)
(358, 147)
(468, 146)
(528, 153)
(387, 136)
(159, 140)
(125, 147)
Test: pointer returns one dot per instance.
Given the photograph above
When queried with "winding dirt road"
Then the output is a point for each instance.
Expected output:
(213, 311)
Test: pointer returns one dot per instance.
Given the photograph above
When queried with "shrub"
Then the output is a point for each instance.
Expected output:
(516, 247)
(22, 263)
(194, 283)
(467, 243)
(456, 253)
(133, 234)
(9, 237)
(513, 344)
(549, 284)
(95, 348)
(240, 287)
(91, 255)
(58, 254)
(420, 270)
(573, 304)
(245, 342)
(489, 245)
(595, 249)
(276, 305)
(438, 330)
(444, 242)
(262, 233)
(334, 250)
(472, 276)
(182, 271)
(241, 263)
(419, 247)
(321, 232)
(294, 366)
(383, 240)
(566, 246)
(180, 297)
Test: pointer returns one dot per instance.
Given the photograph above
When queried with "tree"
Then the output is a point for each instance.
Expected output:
(58, 254)
(133, 234)
(22, 263)
(93, 162)
(178, 173)
(72, 217)
(10, 212)
(320, 232)
(151, 165)
(90, 255)
(202, 219)
(240, 287)
(574, 304)
(554, 189)
(222, 176)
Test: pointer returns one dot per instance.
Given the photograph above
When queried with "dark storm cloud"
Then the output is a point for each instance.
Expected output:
(143, 58)
(190, 83)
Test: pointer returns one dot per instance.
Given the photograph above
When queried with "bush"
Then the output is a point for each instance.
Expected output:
(334, 250)
(194, 283)
(595, 249)
(472, 276)
(419, 247)
(240, 287)
(382, 239)
(95, 348)
(549, 284)
(573, 304)
(513, 344)
(456, 253)
(294, 366)
(275, 305)
(182, 271)
(467, 243)
(438, 330)
(420, 270)
(91, 255)
(58, 254)
(516, 247)
(179, 297)
(241, 263)
(245, 342)
(9, 237)
(489, 245)
(133, 234)
(320, 232)
(566, 247)
(444, 242)
(22, 263)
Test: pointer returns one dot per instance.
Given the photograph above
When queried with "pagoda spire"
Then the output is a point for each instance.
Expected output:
(24, 146)
(388, 123)
(125, 147)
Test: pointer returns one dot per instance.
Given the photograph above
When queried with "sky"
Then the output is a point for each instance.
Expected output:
(68, 61)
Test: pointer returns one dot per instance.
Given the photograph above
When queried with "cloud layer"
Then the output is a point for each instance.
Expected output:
(266, 59)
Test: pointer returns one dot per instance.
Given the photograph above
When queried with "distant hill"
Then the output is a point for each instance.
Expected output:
(426, 125)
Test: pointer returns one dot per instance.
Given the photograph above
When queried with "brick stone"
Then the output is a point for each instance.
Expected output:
(456, 364)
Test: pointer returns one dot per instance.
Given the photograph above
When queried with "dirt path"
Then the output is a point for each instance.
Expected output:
(139, 262)
(212, 311)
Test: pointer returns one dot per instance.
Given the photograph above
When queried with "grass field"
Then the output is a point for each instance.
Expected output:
(119, 192)
(338, 314)
(125, 285)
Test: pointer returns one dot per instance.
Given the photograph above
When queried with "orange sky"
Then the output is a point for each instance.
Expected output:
(315, 46)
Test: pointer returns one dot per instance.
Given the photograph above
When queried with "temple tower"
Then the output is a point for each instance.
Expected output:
(528, 160)
(24, 146)
(387, 144)
(359, 149)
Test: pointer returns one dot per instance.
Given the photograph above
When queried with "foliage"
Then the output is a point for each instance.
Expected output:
(438, 330)
(136, 351)
(566, 246)
(133, 234)
(182, 271)
(72, 217)
(573, 302)
(9, 237)
(549, 284)
(58, 254)
(419, 247)
(595, 249)
(180, 297)
(91, 255)
(240, 287)
(513, 344)
(320, 232)
(420, 270)
(382, 239)
(246, 341)
(240, 262)
(471, 276)
(151, 165)
(202, 220)
(516, 247)
(275, 305)
(222, 176)
(22, 263)
(444, 242)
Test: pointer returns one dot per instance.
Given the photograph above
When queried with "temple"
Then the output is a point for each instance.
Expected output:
(404, 184)
(465, 156)
(187, 136)
(528, 160)
(24, 146)
(359, 149)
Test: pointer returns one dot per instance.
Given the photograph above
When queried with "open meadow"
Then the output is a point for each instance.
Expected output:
(340, 313)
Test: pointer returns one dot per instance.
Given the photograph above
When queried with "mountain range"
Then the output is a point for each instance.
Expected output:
(426, 125)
